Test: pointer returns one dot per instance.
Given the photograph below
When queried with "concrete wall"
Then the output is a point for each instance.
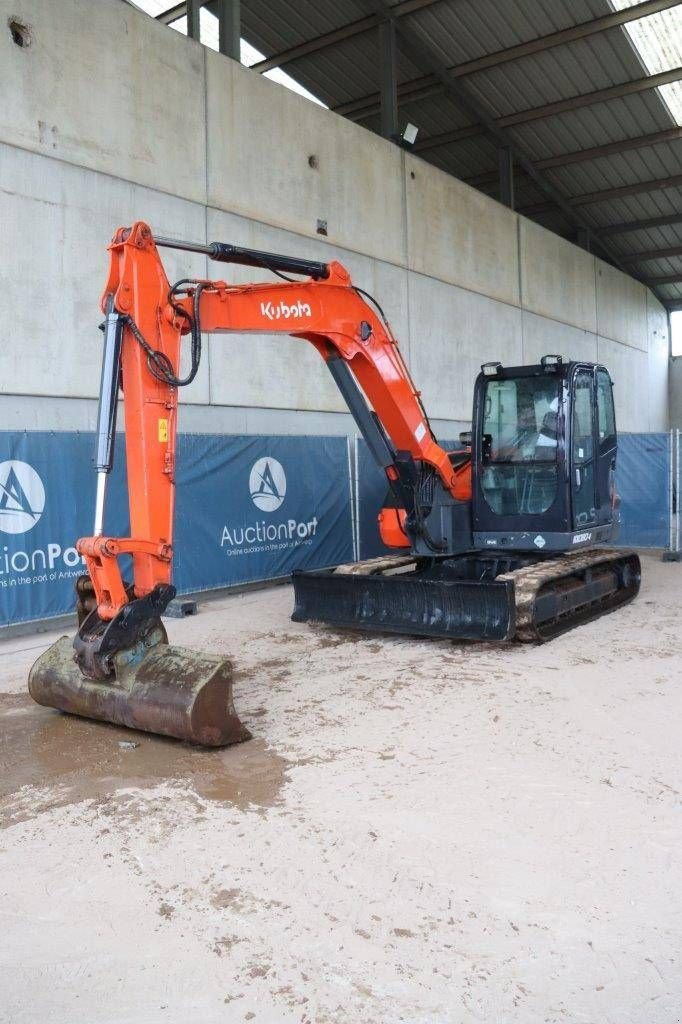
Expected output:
(108, 117)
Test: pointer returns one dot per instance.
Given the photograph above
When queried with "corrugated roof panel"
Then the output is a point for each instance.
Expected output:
(435, 115)
(572, 70)
(634, 208)
(660, 267)
(665, 237)
(275, 25)
(645, 164)
(462, 30)
(629, 117)
(469, 159)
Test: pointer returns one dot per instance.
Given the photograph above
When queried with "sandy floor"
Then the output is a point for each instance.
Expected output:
(421, 832)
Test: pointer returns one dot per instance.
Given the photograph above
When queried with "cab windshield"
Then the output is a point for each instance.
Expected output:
(520, 427)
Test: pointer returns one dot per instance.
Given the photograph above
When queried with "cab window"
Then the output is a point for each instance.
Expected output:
(582, 418)
(520, 444)
(605, 410)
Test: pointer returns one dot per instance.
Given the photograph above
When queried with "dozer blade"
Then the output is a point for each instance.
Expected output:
(458, 610)
(169, 690)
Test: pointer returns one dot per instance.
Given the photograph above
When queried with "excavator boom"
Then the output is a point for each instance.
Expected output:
(145, 320)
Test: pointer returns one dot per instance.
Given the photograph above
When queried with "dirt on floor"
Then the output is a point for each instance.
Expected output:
(420, 831)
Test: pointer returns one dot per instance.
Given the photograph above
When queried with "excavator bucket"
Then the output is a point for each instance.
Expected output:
(168, 690)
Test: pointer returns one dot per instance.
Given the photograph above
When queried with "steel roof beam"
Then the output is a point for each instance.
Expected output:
(640, 225)
(613, 92)
(609, 148)
(172, 14)
(637, 187)
(593, 153)
(652, 282)
(652, 254)
(193, 8)
(367, 105)
(655, 185)
(562, 106)
(322, 42)
(389, 82)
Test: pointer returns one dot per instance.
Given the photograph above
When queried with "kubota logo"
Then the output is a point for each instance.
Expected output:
(267, 484)
(284, 311)
(22, 497)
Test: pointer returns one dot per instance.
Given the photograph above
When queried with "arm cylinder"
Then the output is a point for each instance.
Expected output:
(225, 252)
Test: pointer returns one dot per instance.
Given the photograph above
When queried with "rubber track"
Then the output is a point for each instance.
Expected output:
(530, 580)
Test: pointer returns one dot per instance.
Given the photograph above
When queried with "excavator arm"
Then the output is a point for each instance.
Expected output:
(145, 319)
(120, 667)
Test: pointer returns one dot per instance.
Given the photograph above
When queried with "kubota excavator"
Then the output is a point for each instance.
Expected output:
(497, 541)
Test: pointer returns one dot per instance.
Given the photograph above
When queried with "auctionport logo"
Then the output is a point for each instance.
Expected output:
(267, 488)
(267, 484)
(22, 497)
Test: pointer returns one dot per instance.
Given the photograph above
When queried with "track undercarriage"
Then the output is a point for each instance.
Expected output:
(476, 596)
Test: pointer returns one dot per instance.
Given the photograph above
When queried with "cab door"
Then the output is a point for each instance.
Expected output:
(607, 446)
(583, 463)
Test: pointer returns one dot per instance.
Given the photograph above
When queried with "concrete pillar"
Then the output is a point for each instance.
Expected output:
(229, 27)
(389, 84)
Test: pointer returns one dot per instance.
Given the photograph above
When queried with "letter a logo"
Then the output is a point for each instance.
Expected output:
(22, 497)
(267, 484)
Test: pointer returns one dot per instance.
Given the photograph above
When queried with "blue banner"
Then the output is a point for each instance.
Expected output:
(248, 509)
(643, 483)
(254, 508)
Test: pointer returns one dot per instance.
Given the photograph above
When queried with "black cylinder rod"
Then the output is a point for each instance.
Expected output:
(225, 252)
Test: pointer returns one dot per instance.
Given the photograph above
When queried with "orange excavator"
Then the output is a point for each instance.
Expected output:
(497, 541)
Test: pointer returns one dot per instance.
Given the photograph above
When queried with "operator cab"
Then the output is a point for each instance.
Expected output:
(543, 456)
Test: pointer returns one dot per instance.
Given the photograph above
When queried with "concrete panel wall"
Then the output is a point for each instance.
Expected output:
(104, 87)
(451, 337)
(658, 364)
(460, 235)
(557, 278)
(261, 140)
(108, 117)
(621, 306)
(56, 221)
(628, 369)
(542, 336)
